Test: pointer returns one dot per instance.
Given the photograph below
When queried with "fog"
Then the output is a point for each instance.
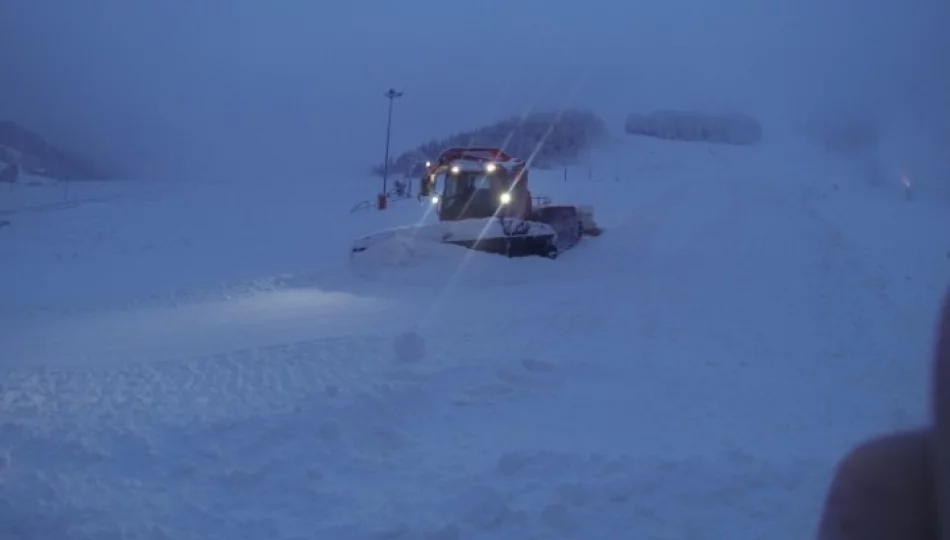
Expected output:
(241, 88)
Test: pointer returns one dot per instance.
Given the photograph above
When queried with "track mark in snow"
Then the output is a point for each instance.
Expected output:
(299, 425)
(293, 423)
(258, 380)
(193, 330)
(508, 382)
(541, 494)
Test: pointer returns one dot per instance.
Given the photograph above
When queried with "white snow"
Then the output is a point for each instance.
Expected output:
(208, 362)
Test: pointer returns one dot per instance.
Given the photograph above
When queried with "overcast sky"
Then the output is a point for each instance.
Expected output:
(288, 84)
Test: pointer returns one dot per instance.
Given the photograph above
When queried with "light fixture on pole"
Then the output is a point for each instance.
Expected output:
(391, 94)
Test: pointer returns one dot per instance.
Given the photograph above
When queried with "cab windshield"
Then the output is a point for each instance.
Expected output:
(466, 184)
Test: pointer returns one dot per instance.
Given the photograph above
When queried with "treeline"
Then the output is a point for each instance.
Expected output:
(721, 128)
(551, 138)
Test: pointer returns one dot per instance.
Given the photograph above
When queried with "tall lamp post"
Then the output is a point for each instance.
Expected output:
(391, 94)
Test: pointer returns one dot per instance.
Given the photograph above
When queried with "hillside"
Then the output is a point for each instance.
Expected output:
(209, 361)
(37, 156)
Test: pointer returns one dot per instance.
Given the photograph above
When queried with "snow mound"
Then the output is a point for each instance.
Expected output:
(404, 246)
(723, 128)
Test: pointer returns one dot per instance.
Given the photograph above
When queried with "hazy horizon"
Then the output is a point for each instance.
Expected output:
(244, 87)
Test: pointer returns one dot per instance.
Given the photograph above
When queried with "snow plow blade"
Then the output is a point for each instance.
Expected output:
(509, 237)
(513, 246)
(566, 221)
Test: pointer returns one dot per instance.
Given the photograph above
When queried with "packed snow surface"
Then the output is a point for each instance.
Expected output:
(210, 361)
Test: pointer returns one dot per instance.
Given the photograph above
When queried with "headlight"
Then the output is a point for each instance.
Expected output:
(435, 199)
(428, 163)
(491, 167)
(505, 198)
(455, 169)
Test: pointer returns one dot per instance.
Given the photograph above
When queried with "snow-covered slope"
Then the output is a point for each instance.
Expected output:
(209, 361)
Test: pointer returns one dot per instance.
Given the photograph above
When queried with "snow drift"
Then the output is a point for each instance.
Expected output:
(723, 128)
